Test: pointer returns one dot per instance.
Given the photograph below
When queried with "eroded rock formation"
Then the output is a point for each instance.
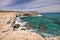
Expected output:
(20, 35)
(6, 22)
(6, 30)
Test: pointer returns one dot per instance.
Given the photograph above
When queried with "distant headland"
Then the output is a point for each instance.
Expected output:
(22, 13)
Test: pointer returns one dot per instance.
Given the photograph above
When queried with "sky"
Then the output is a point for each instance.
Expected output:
(31, 5)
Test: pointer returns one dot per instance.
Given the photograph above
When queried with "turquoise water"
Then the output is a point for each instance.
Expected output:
(48, 23)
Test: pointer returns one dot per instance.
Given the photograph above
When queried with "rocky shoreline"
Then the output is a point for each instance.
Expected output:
(6, 22)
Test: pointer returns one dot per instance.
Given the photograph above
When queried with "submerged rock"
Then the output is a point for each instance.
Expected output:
(57, 23)
(27, 26)
(43, 28)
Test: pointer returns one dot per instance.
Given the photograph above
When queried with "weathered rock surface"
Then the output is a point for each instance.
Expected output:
(20, 35)
(6, 20)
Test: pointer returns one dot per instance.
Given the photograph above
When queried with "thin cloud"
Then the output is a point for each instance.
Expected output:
(3, 3)
(39, 5)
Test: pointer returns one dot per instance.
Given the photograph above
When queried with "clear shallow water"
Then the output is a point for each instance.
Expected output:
(47, 24)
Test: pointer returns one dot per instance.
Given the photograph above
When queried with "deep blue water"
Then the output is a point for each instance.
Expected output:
(47, 23)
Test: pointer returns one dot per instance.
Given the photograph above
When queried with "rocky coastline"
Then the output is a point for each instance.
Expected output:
(7, 20)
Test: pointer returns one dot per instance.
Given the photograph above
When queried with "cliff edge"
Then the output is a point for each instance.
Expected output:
(6, 21)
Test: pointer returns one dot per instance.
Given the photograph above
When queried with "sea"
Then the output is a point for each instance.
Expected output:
(45, 24)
